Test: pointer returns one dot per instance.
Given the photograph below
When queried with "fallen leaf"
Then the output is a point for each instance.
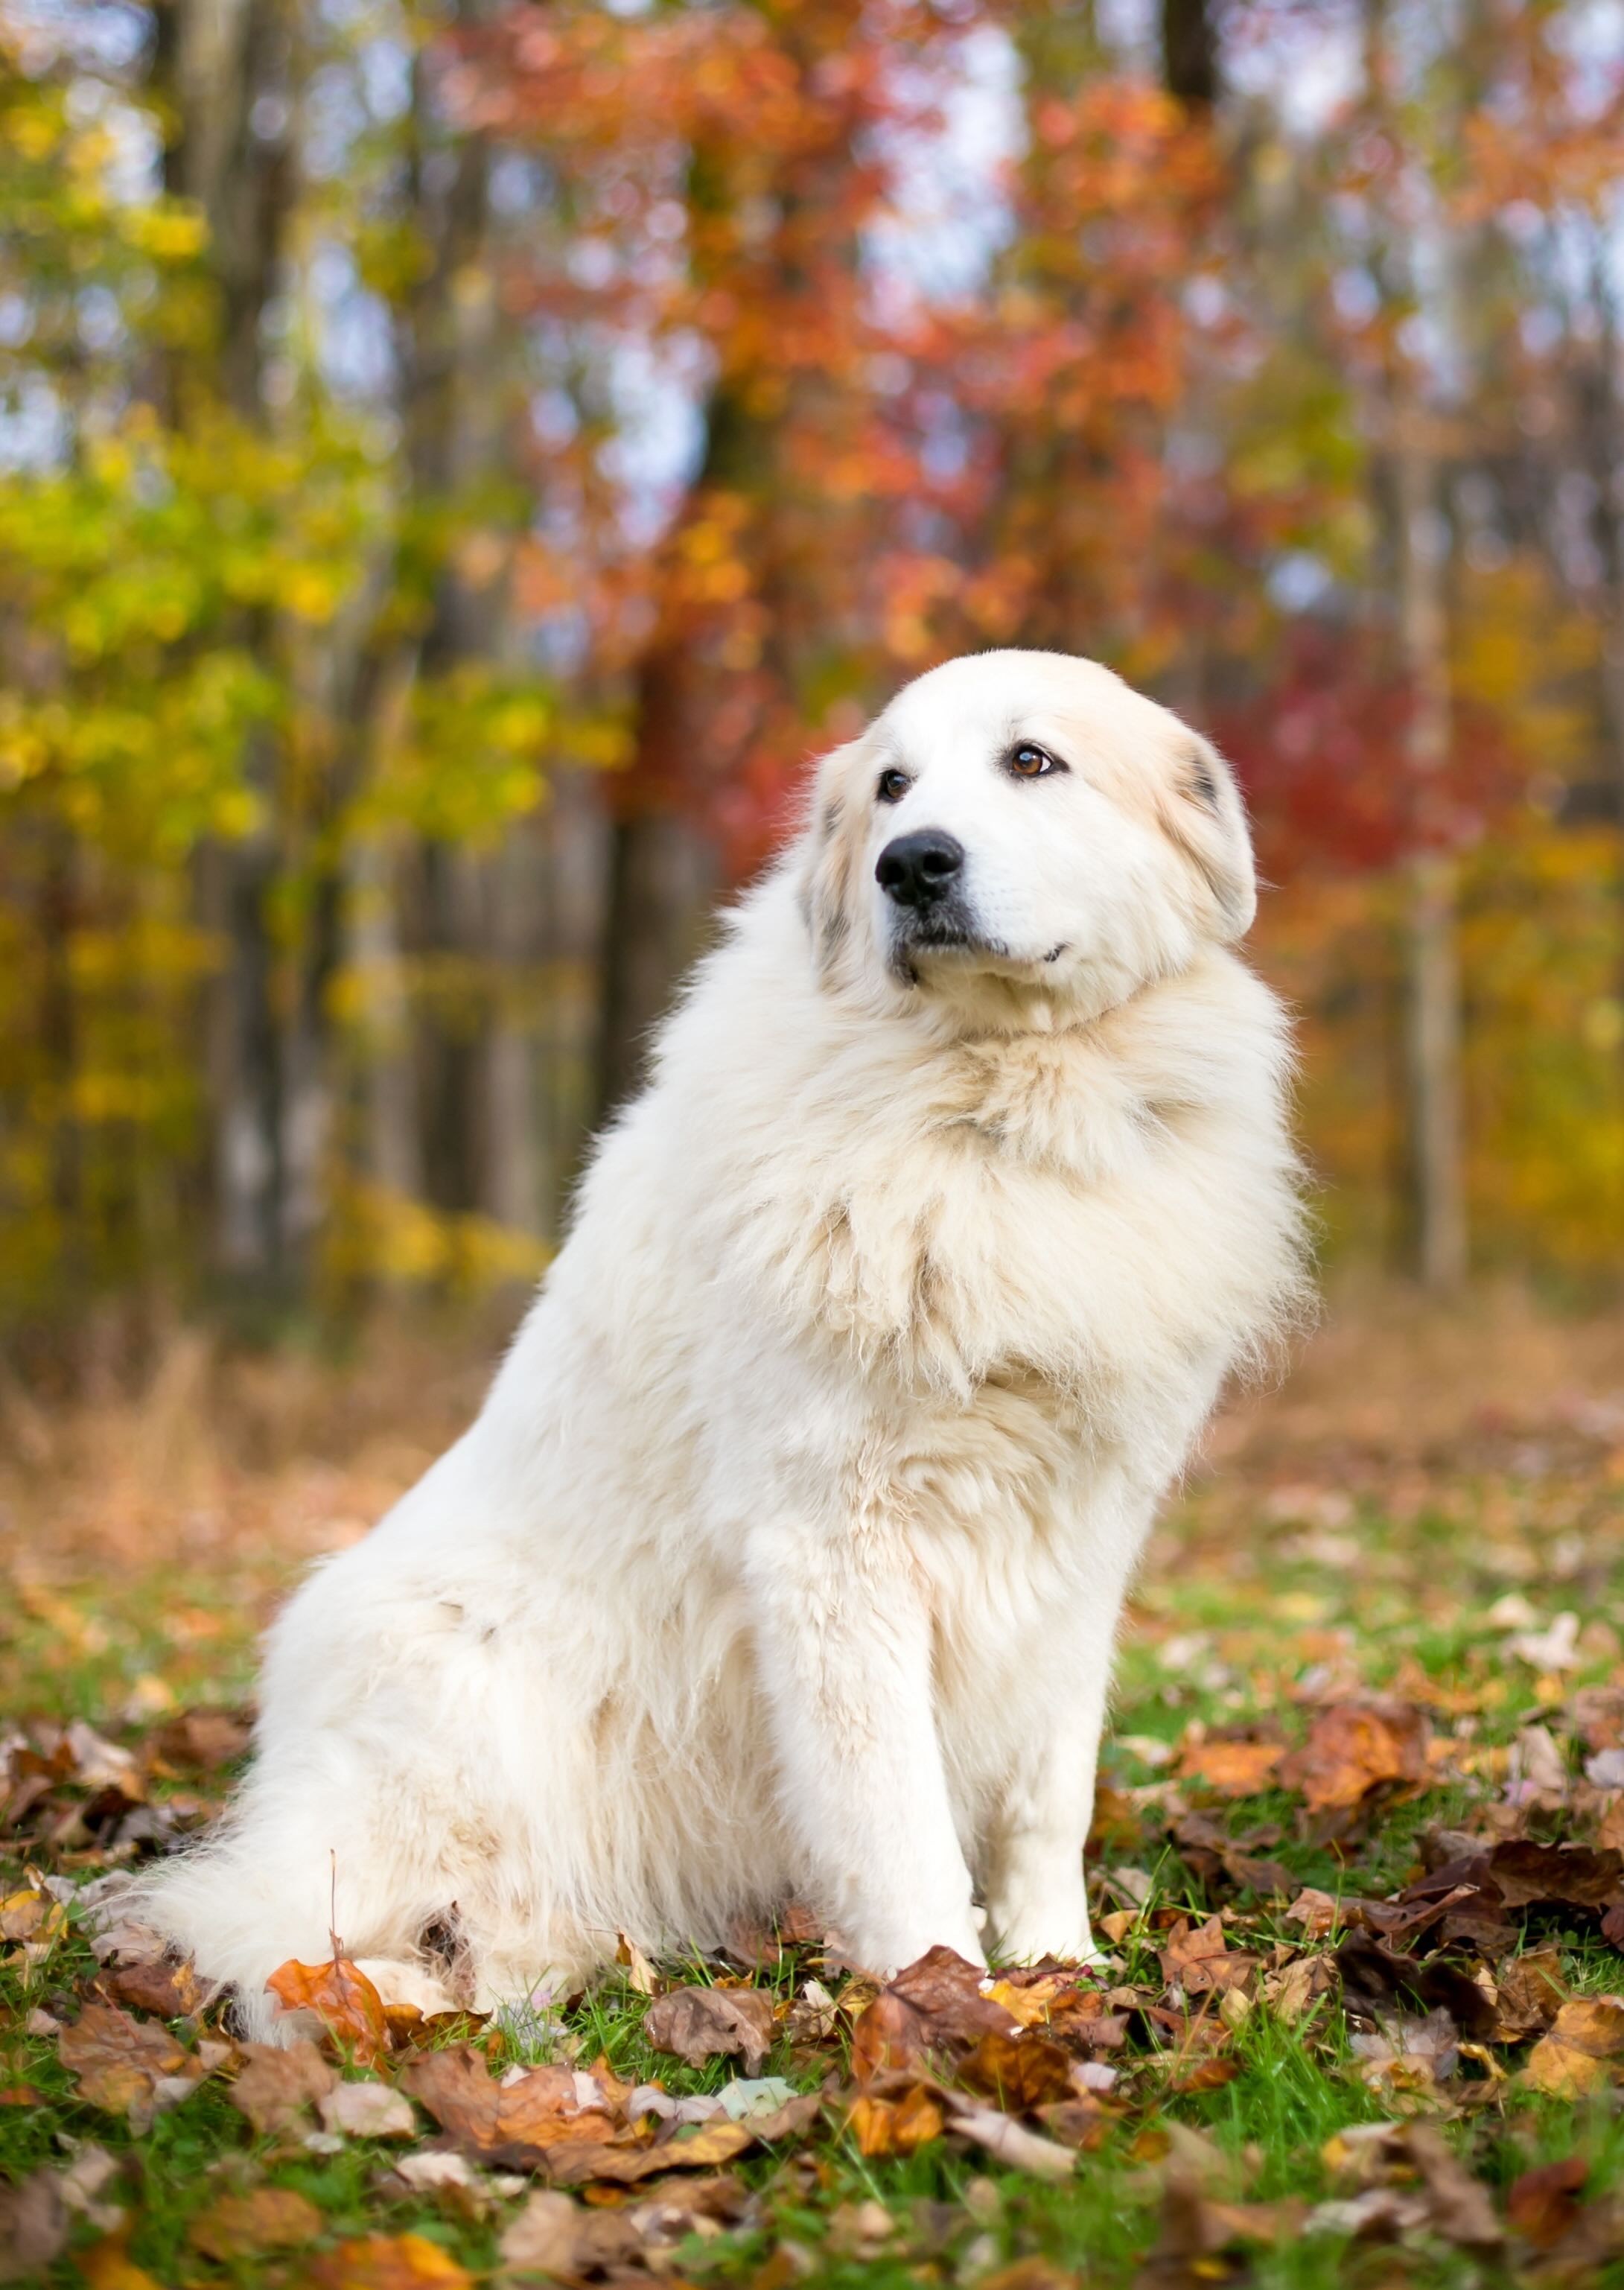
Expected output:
(387, 2262)
(1354, 1748)
(641, 1976)
(1543, 2204)
(166, 1986)
(1019, 2073)
(342, 1999)
(537, 2110)
(708, 2023)
(812, 2016)
(1199, 1961)
(366, 2111)
(1573, 2059)
(275, 2085)
(1009, 2141)
(204, 1739)
(108, 2266)
(1528, 1874)
(542, 2239)
(127, 2067)
(687, 2148)
(266, 2218)
(1232, 1768)
(32, 1915)
(885, 2127)
(33, 2226)
(1530, 1992)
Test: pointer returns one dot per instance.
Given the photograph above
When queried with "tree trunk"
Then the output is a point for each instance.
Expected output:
(1189, 51)
(1434, 1029)
(660, 874)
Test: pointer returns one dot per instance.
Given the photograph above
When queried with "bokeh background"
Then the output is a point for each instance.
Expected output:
(458, 462)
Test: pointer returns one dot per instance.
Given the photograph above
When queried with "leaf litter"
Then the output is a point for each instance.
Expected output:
(1412, 1880)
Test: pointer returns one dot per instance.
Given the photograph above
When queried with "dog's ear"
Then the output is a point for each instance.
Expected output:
(1204, 813)
(830, 840)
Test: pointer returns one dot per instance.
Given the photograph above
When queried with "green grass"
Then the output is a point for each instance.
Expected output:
(1245, 1631)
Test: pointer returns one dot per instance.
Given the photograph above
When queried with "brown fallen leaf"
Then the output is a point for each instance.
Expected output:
(538, 2110)
(1529, 1993)
(1200, 1962)
(685, 2148)
(1354, 1747)
(127, 2067)
(1573, 2059)
(166, 1986)
(274, 2087)
(708, 2023)
(1011, 2143)
(1232, 1768)
(33, 2225)
(554, 2236)
(343, 1999)
(203, 1739)
(1019, 2073)
(1527, 1873)
(32, 1915)
(889, 2038)
(1391, 2156)
(265, 2218)
(366, 2111)
(386, 2261)
(935, 2006)
(1543, 2204)
(886, 2126)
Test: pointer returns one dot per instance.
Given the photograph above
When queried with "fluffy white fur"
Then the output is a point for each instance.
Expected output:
(787, 1553)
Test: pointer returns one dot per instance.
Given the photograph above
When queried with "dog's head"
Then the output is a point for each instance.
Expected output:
(1020, 825)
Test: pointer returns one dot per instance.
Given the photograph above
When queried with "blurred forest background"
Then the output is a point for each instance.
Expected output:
(458, 460)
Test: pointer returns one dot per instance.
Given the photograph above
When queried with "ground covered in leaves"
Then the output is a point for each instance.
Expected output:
(1358, 1864)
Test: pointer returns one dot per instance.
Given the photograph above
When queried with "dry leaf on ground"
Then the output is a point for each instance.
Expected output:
(896, 2126)
(386, 2261)
(342, 1999)
(706, 2023)
(274, 2087)
(265, 2218)
(1586, 2035)
(1199, 1961)
(1012, 2142)
(33, 2226)
(1232, 1768)
(367, 2111)
(539, 2109)
(167, 1987)
(1543, 2204)
(1354, 1748)
(126, 2067)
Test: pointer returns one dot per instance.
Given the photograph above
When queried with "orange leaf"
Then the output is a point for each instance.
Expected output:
(342, 1999)
(1231, 1768)
(386, 2261)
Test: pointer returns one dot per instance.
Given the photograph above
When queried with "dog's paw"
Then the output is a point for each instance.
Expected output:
(401, 1982)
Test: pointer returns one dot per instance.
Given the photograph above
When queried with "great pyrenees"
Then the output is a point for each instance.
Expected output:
(787, 1554)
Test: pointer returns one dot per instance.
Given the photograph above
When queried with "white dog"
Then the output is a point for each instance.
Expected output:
(787, 1555)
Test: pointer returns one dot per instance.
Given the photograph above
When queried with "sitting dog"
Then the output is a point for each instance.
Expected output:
(787, 1554)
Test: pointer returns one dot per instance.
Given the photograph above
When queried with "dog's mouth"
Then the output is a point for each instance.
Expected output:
(949, 938)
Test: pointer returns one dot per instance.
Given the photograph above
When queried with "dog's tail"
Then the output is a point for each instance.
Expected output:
(282, 1879)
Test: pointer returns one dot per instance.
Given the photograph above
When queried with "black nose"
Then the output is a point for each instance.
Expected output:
(918, 869)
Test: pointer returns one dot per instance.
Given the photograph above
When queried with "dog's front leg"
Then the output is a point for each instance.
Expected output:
(844, 1651)
(1036, 1899)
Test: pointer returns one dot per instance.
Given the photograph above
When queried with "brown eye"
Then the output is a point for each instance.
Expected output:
(1030, 761)
(893, 786)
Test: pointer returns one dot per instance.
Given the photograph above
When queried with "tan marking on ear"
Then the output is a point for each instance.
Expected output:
(1202, 813)
(828, 888)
